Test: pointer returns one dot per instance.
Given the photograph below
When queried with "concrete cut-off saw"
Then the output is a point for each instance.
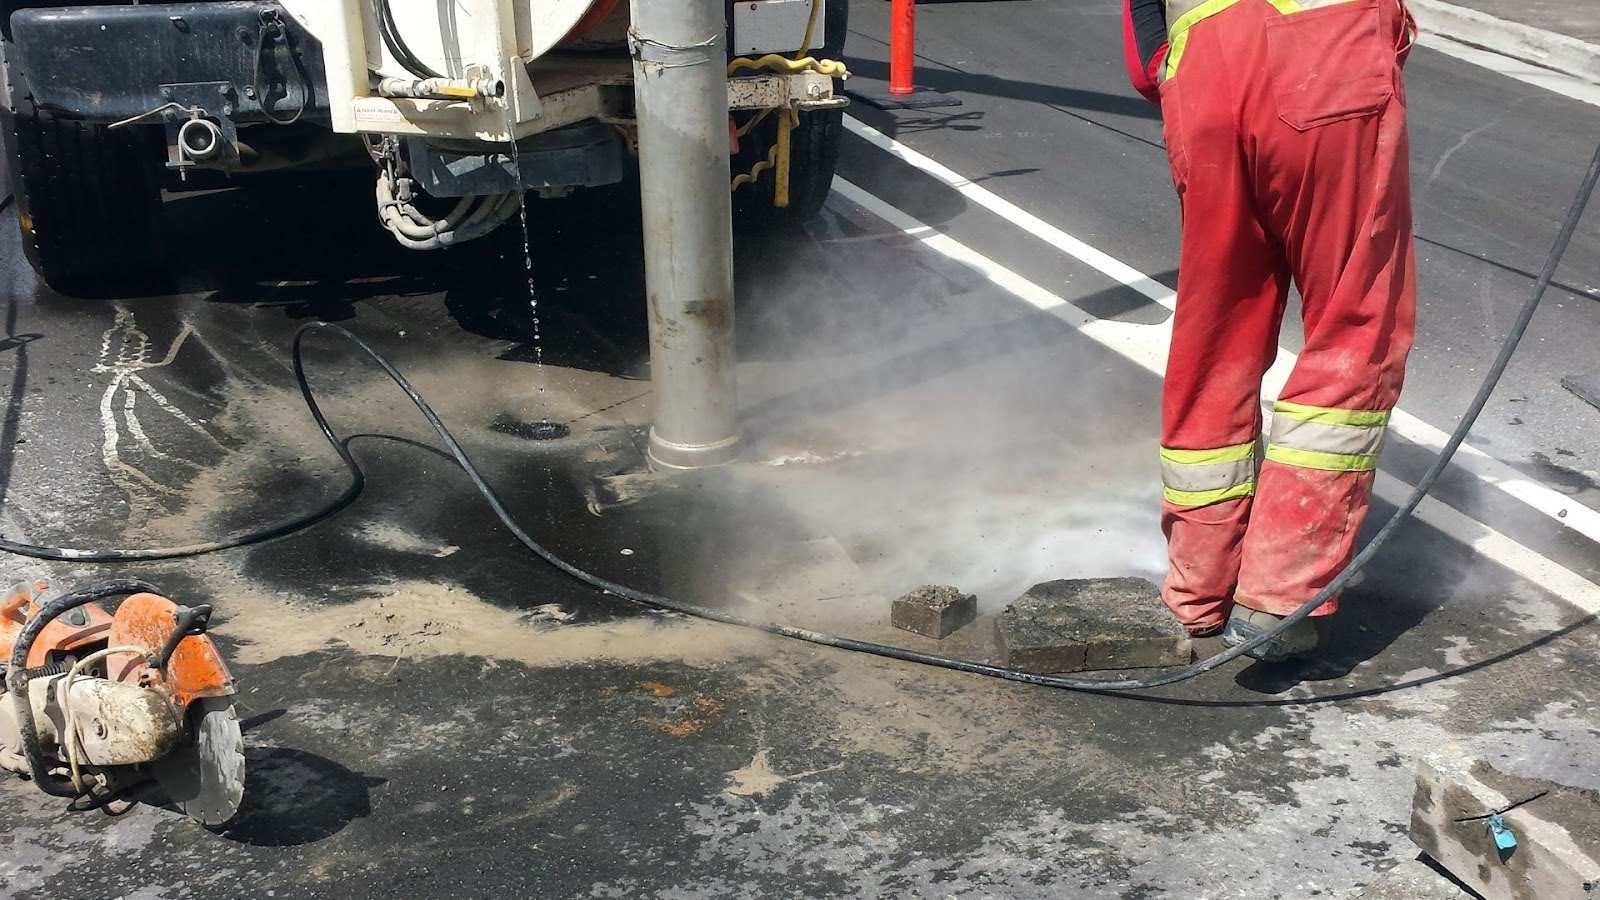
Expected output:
(94, 705)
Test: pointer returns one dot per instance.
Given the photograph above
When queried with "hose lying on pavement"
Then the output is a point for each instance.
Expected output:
(357, 480)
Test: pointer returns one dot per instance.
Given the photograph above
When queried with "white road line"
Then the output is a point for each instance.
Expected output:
(1496, 547)
(1557, 507)
(1146, 345)
(1091, 256)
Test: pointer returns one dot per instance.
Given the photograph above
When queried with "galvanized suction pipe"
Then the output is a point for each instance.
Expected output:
(680, 93)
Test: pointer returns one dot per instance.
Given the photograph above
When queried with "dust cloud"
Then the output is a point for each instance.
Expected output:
(968, 439)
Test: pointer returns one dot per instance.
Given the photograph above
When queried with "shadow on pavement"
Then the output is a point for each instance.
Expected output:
(292, 797)
(1504, 267)
(16, 395)
(951, 81)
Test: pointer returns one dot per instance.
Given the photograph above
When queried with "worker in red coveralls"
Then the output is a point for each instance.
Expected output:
(1285, 123)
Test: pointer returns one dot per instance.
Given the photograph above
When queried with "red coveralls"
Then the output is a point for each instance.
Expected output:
(1285, 127)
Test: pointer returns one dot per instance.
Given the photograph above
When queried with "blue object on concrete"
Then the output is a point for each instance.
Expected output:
(1503, 838)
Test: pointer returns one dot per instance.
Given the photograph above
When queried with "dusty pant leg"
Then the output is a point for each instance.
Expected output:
(1232, 285)
(1337, 191)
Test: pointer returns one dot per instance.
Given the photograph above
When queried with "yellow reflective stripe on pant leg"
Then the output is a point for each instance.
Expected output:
(1213, 477)
(1204, 477)
(1206, 498)
(1327, 438)
(1229, 454)
(1321, 459)
(1331, 415)
(1347, 440)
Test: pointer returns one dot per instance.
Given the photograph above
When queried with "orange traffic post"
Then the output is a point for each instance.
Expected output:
(903, 92)
(902, 45)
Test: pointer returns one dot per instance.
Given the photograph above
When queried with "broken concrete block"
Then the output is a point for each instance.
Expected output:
(1584, 387)
(1089, 624)
(934, 610)
(1554, 829)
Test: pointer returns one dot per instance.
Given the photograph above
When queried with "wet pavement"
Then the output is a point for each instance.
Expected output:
(431, 710)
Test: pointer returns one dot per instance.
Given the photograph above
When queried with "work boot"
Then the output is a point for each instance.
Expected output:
(1301, 638)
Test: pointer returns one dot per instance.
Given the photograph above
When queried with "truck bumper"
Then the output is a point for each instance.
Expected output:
(238, 60)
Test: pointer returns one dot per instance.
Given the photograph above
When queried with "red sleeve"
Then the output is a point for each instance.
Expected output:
(1144, 45)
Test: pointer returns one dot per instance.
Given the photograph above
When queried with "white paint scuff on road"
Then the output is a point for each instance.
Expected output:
(125, 351)
(1557, 507)
(1146, 345)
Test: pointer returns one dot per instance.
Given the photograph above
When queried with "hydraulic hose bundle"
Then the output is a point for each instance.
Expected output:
(357, 480)
(469, 219)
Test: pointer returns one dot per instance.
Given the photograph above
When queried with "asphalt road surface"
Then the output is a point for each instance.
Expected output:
(952, 376)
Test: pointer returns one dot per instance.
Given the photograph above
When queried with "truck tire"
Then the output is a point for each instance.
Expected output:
(814, 146)
(814, 154)
(88, 199)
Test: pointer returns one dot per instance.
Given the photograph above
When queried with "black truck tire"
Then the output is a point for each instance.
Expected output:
(813, 157)
(814, 146)
(88, 198)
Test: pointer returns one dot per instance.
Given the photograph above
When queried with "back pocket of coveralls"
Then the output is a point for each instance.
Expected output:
(1330, 63)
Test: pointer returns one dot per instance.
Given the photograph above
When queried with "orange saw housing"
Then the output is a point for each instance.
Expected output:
(195, 670)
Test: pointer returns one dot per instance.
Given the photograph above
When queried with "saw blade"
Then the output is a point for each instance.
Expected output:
(205, 777)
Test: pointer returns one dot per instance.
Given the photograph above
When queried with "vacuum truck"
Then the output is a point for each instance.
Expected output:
(461, 110)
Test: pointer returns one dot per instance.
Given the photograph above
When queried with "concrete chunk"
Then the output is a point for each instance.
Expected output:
(1089, 624)
(934, 610)
(1557, 830)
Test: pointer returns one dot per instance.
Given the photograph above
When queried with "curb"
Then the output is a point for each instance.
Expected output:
(1546, 49)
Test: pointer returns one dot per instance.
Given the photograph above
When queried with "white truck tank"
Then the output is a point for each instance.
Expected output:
(449, 35)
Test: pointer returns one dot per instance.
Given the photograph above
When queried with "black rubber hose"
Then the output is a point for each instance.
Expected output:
(274, 28)
(1491, 379)
(397, 45)
(254, 536)
(17, 675)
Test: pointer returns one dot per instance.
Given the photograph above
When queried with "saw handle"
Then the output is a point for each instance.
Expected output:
(16, 605)
(190, 621)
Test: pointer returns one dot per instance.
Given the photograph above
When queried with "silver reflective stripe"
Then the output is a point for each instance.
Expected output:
(1323, 437)
(1208, 477)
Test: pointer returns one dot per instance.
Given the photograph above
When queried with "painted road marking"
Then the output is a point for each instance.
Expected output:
(1146, 345)
(125, 352)
(1557, 507)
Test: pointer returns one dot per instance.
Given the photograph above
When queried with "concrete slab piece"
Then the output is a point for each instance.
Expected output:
(1584, 387)
(1088, 624)
(934, 610)
(1556, 830)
